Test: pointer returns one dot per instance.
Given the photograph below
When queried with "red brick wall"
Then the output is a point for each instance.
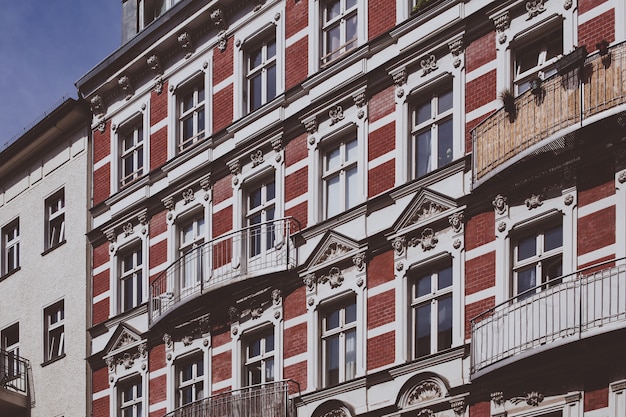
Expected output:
(596, 193)
(381, 104)
(380, 269)
(381, 350)
(381, 178)
(156, 358)
(100, 311)
(299, 213)
(381, 141)
(222, 367)
(480, 91)
(294, 304)
(158, 148)
(480, 409)
(158, 105)
(593, 31)
(381, 17)
(158, 389)
(158, 224)
(296, 372)
(596, 399)
(586, 5)
(381, 309)
(296, 183)
(101, 407)
(480, 229)
(295, 340)
(296, 150)
(223, 63)
(101, 254)
(480, 273)
(468, 133)
(222, 189)
(596, 230)
(99, 380)
(223, 221)
(474, 309)
(222, 108)
(101, 184)
(480, 51)
(101, 143)
(101, 283)
(296, 67)
(158, 253)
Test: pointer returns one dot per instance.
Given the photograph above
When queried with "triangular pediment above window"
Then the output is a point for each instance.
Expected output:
(123, 338)
(427, 207)
(333, 248)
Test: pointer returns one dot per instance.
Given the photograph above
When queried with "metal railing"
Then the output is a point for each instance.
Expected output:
(258, 249)
(267, 400)
(564, 101)
(13, 372)
(560, 311)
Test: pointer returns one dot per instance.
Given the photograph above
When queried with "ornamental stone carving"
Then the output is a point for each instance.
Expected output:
(458, 406)
(256, 310)
(126, 85)
(359, 261)
(427, 412)
(568, 4)
(334, 277)
(569, 199)
(428, 239)
(532, 398)
(128, 229)
(276, 296)
(497, 398)
(184, 40)
(499, 204)
(502, 227)
(187, 340)
(456, 221)
(622, 177)
(428, 64)
(502, 23)
(533, 202)
(456, 48)
(310, 125)
(309, 280)
(233, 313)
(110, 362)
(334, 251)
(535, 7)
(336, 413)
(336, 115)
(154, 63)
(188, 196)
(426, 391)
(97, 106)
(257, 158)
(222, 41)
(398, 245)
(399, 79)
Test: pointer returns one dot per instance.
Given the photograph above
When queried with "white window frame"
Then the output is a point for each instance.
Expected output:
(344, 327)
(262, 359)
(132, 134)
(134, 274)
(54, 325)
(539, 259)
(197, 112)
(432, 300)
(265, 211)
(433, 125)
(346, 12)
(261, 44)
(136, 404)
(55, 219)
(143, 20)
(11, 247)
(345, 165)
(11, 334)
(198, 228)
(197, 380)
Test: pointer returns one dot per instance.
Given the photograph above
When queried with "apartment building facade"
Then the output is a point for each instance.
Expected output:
(43, 313)
(377, 208)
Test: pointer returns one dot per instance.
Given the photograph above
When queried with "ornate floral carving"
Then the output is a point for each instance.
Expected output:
(499, 204)
(456, 221)
(334, 277)
(334, 251)
(187, 340)
(456, 244)
(256, 310)
(127, 360)
(399, 79)
(456, 48)
(128, 229)
(168, 202)
(568, 4)
(257, 158)
(502, 227)
(532, 398)
(426, 210)
(427, 412)
(335, 115)
(188, 196)
(622, 177)
(276, 296)
(359, 99)
(458, 406)
(309, 280)
(205, 184)
(184, 40)
(502, 23)
(158, 84)
(154, 63)
(233, 313)
(310, 125)
(398, 245)
(429, 64)
(222, 41)
(97, 106)
(428, 239)
(497, 398)
(359, 261)
(533, 201)
(535, 7)
(339, 412)
(426, 391)
(110, 362)
(167, 339)
(569, 199)
(217, 17)
(126, 85)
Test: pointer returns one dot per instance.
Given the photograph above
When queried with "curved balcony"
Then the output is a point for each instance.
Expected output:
(14, 393)
(267, 400)
(569, 308)
(256, 250)
(561, 105)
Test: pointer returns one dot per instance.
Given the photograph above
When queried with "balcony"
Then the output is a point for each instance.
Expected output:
(256, 250)
(14, 394)
(562, 104)
(267, 400)
(570, 308)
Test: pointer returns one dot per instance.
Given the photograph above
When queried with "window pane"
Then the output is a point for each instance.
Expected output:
(444, 145)
(269, 370)
(333, 201)
(271, 82)
(423, 113)
(526, 279)
(255, 198)
(187, 128)
(332, 320)
(422, 330)
(333, 159)
(255, 348)
(444, 278)
(444, 323)
(271, 48)
(332, 360)
(350, 313)
(350, 354)
(527, 248)
(445, 102)
(553, 238)
(352, 150)
(333, 9)
(255, 92)
(351, 29)
(270, 191)
(423, 153)
(256, 58)
(351, 187)
(269, 343)
(333, 40)
(423, 286)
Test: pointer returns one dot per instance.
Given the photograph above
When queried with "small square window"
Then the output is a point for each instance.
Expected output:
(131, 148)
(536, 59)
(259, 358)
(190, 379)
(131, 286)
(11, 247)
(339, 28)
(261, 75)
(130, 398)
(191, 115)
(55, 220)
(340, 177)
(339, 350)
(54, 323)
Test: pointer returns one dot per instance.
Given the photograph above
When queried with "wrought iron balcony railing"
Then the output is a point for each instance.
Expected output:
(561, 104)
(13, 373)
(561, 311)
(259, 249)
(267, 400)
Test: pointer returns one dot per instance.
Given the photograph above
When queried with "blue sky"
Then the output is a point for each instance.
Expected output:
(45, 47)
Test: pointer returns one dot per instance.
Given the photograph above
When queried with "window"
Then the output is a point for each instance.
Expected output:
(537, 259)
(340, 177)
(10, 344)
(339, 344)
(431, 311)
(131, 278)
(339, 28)
(259, 359)
(190, 380)
(11, 247)
(261, 73)
(191, 113)
(131, 152)
(261, 209)
(432, 133)
(130, 398)
(55, 220)
(149, 10)
(54, 323)
(536, 59)
(191, 238)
